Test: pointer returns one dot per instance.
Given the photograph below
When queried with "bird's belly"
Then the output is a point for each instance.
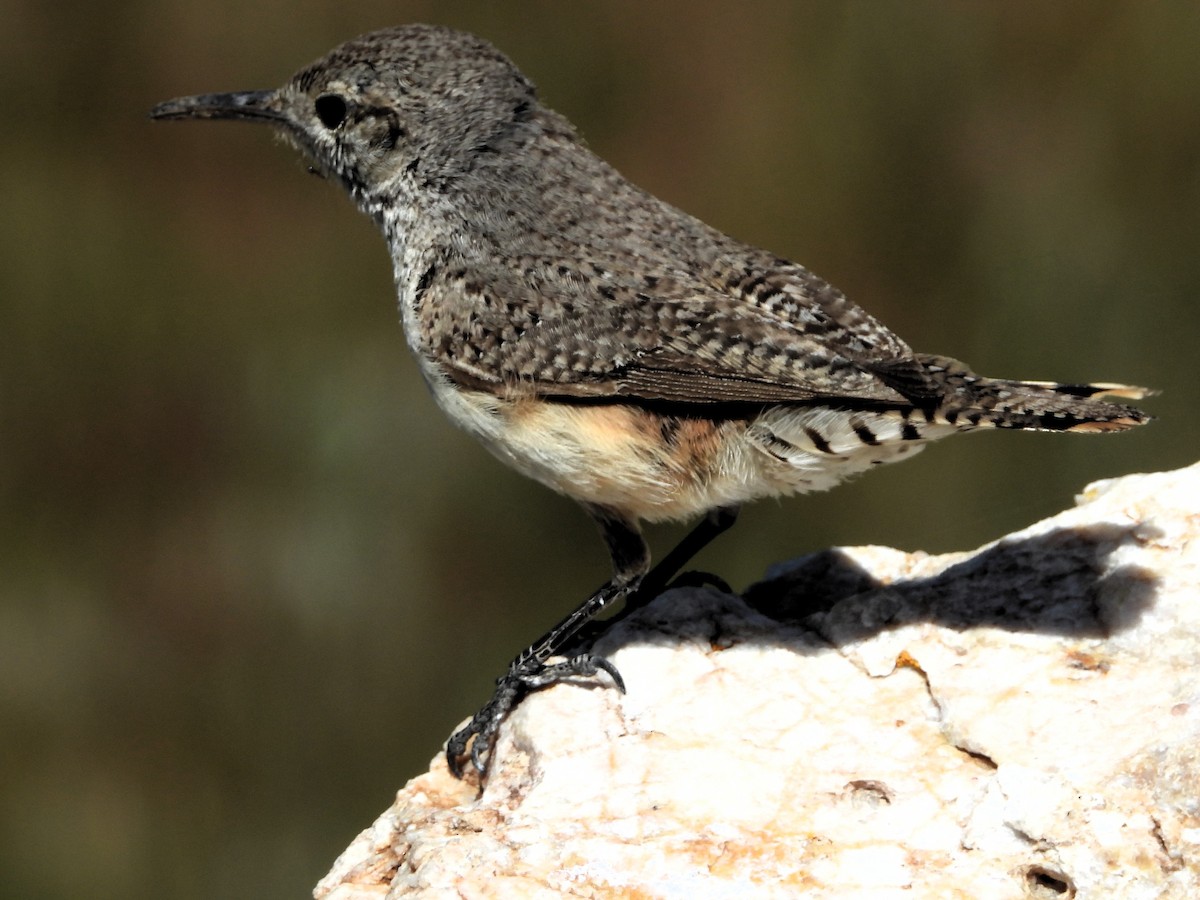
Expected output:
(653, 466)
(642, 465)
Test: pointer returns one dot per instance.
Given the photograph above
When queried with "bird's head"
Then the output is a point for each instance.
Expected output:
(394, 111)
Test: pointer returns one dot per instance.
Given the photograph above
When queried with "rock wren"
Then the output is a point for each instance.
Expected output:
(601, 341)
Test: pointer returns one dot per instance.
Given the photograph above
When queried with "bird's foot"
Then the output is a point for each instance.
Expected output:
(511, 687)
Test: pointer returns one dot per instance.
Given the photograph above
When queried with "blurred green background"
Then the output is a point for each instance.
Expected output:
(249, 576)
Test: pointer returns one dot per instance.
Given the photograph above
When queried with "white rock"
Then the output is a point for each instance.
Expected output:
(1019, 721)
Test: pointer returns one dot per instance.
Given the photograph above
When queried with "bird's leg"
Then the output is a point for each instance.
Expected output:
(529, 671)
(714, 523)
(663, 575)
(633, 581)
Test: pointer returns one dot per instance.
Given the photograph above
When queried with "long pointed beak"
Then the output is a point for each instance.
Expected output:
(253, 105)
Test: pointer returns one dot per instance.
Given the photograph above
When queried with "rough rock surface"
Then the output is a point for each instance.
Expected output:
(1020, 721)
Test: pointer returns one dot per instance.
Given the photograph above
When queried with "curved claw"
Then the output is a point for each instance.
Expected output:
(510, 688)
(481, 749)
(604, 665)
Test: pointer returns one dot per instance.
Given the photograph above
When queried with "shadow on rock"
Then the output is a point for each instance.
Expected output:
(1060, 582)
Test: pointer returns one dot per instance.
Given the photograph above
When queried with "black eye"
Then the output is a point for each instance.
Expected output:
(331, 110)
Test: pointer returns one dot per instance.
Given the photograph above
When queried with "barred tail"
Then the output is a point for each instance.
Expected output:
(970, 400)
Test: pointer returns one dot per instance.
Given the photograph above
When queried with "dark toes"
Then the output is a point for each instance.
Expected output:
(481, 731)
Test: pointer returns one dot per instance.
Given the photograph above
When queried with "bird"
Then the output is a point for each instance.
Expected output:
(600, 340)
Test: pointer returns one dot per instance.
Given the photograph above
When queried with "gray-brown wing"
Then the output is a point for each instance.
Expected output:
(733, 337)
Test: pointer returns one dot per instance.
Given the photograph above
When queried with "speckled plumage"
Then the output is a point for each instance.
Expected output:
(602, 341)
